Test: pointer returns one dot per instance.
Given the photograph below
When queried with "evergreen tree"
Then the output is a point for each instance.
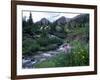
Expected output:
(30, 20)
(24, 22)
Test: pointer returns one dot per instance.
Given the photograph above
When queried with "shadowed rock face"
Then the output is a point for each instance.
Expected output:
(83, 18)
(43, 21)
(62, 20)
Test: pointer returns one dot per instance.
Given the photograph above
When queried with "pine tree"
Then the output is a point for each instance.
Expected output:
(30, 20)
(24, 22)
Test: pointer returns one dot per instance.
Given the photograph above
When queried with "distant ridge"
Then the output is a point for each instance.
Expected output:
(82, 18)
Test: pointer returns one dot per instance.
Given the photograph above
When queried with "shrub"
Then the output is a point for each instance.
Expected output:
(30, 46)
(42, 41)
(48, 47)
(49, 42)
(80, 53)
(55, 40)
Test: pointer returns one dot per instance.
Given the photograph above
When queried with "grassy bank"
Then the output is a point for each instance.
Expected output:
(79, 56)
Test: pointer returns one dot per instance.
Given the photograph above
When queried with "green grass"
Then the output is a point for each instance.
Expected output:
(79, 56)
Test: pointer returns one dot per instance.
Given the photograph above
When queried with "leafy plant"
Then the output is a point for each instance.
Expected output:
(30, 46)
(79, 56)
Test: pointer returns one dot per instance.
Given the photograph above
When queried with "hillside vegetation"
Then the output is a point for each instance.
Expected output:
(43, 36)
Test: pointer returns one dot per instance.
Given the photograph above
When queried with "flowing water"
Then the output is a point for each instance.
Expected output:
(30, 61)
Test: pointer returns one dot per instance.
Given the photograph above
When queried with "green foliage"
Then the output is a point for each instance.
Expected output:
(47, 43)
(79, 56)
(30, 46)
(38, 37)
(55, 40)
(80, 53)
(57, 61)
(30, 20)
(48, 47)
(58, 28)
